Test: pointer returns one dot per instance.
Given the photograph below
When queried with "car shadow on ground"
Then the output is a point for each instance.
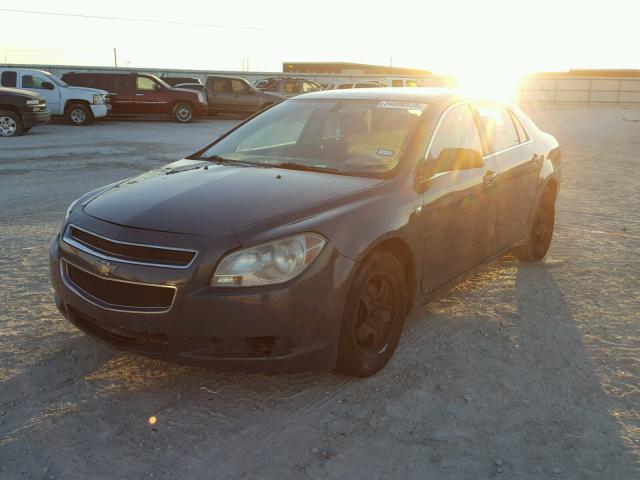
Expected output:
(491, 379)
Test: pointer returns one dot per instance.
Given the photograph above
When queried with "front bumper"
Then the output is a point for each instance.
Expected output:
(33, 119)
(100, 111)
(294, 326)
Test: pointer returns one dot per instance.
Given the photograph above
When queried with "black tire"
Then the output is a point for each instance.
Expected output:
(183, 113)
(537, 243)
(373, 317)
(79, 115)
(10, 124)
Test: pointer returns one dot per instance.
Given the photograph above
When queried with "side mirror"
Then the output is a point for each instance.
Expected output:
(157, 87)
(452, 159)
(47, 85)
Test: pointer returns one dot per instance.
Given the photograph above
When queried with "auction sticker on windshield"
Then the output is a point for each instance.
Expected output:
(402, 105)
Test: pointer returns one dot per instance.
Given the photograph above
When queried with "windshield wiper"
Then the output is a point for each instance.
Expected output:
(228, 161)
(310, 168)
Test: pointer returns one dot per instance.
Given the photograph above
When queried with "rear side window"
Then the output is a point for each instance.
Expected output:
(221, 85)
(397, 83)
(522, 133)
(9, 79)
(345, 86)
(457, 131)
(497, 127)
(292, 86)
(118, 83)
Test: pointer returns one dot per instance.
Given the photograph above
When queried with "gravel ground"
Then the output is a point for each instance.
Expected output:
(523, 371)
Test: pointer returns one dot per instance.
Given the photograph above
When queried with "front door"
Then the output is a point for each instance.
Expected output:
(460, 207)
(243, 97)
(32, 81)
(151, 97)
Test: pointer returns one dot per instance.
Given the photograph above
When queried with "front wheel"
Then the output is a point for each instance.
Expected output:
(537, 243)
(183, 113)
(373, 317)
(10, 124)
(79, 115)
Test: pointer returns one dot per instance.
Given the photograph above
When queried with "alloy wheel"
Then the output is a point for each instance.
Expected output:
(8, 126)
(78, 115)
(375, 313)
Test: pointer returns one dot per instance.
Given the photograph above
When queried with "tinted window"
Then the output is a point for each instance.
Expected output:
(344, 86)
(291, 86)
(118, 83)
(458, 131)
(239, 86)
(32, 81)
(9, 79)
(396, 83)
(145, 84)
(221, 85)
(522, 133)
(497, 127)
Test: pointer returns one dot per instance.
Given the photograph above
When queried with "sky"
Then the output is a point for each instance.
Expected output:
(460, 37)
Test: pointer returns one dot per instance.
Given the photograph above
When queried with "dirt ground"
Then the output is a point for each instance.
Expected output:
(524, 371)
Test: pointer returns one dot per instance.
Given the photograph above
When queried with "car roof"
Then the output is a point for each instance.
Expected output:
(412, 94)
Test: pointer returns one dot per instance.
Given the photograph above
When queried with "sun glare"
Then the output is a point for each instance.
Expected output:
(499, 85)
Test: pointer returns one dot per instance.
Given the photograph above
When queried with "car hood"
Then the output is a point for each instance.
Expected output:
(22, 93)
(204, 198)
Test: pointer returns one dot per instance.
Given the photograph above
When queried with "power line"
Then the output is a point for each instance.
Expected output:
(142, 20)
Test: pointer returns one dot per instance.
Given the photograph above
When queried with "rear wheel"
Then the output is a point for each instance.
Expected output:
(537, 244)
(10, 124)
(183, 113)
(79, 114)
(373, 317)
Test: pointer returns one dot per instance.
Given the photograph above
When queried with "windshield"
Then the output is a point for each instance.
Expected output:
(352, 137)
(56, 80)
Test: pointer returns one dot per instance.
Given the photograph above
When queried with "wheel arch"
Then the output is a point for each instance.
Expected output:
(400, 249)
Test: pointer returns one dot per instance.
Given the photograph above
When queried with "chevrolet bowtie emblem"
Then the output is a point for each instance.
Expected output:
(105, 268)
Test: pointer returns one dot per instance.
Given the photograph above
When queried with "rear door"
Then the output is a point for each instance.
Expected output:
(460, 205)
(122, 93)
(219, 94)
(508, 142)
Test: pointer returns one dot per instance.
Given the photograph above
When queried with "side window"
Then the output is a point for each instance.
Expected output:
(497, 127)
(221, 85)
(31, 81)
(308, 87)
(522, 133)
(457, 137)
(9, 79)
(145, 84)
(397, 83)
(239, 87)
(412, 83)
(119, 84)
(291, 86)
(344, 86)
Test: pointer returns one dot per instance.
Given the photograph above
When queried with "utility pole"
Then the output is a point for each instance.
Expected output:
(390, 65)
(115, 58)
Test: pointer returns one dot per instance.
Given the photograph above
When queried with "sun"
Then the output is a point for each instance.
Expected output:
(498, 84)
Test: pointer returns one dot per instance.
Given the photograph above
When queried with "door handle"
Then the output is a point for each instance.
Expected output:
(139, 94)
(489, 177)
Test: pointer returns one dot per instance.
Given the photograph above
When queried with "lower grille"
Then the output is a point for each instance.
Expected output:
(118, 294)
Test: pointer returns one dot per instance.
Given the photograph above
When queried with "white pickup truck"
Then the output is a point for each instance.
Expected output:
(78, 104)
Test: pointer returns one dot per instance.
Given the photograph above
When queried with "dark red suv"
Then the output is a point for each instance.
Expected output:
(143, 94)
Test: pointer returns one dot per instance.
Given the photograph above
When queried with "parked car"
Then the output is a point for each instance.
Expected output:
(237, 95)
(286, 86)
(20, 111)
(175, 81)
(398, 82)
(301, 238)
(143, 94)
(79, 105)
(347, 85)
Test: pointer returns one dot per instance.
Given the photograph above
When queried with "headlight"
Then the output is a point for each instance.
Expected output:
(269, 263)
(33, 102)
(202, 98)
(98, 100)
